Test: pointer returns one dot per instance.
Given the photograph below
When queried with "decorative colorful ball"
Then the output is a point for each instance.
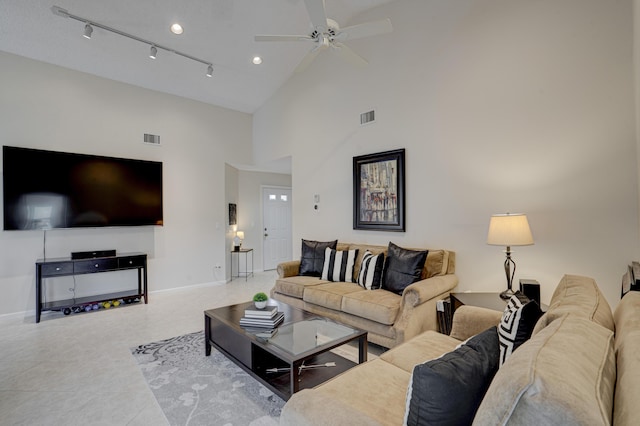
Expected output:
(116, 303)
(87, 308)
(95, 307)
(66, 311)
(106, 305)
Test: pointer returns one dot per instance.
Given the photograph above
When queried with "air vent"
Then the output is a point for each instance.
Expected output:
(151, 139)
(367, 117)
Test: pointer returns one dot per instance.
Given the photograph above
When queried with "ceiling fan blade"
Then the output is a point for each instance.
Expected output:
(282, 38)
(348, 54)
(306, 61)
(317, 14)
(365, 30)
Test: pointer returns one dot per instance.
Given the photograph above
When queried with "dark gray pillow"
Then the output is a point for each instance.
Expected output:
(312, 257)
(402, 267)
(448, 390)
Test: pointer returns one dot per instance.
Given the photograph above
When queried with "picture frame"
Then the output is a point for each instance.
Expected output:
(233, 214)
(378, 191)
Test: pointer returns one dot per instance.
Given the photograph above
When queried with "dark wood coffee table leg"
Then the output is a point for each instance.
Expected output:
(295, 376)
(207, 333)
(363, 347)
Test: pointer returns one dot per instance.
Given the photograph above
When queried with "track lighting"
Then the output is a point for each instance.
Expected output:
(87, 31)
(153, 51)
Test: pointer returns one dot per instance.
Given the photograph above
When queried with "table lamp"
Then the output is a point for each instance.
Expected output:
(237, 240)
(509, 230)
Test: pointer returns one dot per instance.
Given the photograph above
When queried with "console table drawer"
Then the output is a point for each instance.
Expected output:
(132, 262)
(95, 265)
(58, 268)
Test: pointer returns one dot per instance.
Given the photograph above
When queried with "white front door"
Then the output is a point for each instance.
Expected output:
(276, 204)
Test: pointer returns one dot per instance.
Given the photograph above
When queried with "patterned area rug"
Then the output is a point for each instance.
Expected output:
(193, 389)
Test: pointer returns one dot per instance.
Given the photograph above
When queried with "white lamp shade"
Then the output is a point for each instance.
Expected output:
(240, 234)
(509, 230)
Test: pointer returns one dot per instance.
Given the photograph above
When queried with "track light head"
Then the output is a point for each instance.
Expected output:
(153, 52)
(210, 70)
(88, 29)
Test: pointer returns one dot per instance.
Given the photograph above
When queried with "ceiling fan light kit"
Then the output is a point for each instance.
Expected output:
(327, 33)
(88, 30)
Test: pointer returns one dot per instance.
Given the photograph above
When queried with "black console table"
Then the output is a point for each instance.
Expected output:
(59, 267)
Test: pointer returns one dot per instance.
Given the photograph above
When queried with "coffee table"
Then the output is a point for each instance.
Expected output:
(294, 358)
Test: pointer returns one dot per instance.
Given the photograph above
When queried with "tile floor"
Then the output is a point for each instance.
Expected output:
(78, 369)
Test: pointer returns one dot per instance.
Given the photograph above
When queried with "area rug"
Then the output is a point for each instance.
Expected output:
(194, 389)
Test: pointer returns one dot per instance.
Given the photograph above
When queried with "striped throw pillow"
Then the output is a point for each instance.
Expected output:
(370, 276)
(338, 265)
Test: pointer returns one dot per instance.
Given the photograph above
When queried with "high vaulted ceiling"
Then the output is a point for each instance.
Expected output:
(219, 31)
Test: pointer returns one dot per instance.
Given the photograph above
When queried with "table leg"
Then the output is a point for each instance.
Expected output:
(207, 332)
(363, 347)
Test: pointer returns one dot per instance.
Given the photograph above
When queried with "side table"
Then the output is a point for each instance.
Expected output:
(246, 272)
(483, 300)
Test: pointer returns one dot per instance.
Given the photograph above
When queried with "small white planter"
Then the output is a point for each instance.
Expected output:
(261, 305)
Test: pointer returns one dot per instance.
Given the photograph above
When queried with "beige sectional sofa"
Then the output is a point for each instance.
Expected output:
(389, 318)
(573, 370)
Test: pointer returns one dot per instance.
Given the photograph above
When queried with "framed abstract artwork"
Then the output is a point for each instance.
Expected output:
(378, 191)
(233, 220)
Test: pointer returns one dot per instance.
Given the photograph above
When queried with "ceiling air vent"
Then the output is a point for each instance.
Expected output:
(367, 117)
(151, 139)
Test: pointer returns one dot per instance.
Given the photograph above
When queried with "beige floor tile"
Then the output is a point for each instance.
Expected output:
(78, 369)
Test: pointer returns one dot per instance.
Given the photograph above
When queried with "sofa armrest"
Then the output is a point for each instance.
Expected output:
(471, 320)
(427, 289)
(288, 269)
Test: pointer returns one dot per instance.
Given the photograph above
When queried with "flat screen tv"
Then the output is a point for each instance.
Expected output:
(48, 189)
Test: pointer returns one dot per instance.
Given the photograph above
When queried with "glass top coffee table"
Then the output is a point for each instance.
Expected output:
(296, 357)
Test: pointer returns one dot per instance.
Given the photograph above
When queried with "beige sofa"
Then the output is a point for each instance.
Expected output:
(573, 371)
(389, 318)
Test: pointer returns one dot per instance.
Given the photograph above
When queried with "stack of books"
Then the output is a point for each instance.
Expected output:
(267, 318)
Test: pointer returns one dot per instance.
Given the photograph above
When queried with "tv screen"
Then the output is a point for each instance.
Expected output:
(47, 189)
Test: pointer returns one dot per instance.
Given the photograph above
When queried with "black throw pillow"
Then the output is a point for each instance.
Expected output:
(312, 257)
(448, 390)
(402, 267)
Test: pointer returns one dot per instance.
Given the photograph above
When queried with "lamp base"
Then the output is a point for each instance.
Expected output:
(507, 294)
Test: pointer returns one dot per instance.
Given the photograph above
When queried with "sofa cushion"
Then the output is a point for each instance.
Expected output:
(370, 276)
(563, 375)
(627, 345)
(449, 389)
(377, 305)
(372, 393)
(312, 256)
(330, 294)
(578, 296)
(294, 286)
(517, 323)
(423, 347)
(437, 263)
(338, 265)
(402, 267)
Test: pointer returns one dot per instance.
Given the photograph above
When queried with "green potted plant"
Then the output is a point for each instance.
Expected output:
(260, 299)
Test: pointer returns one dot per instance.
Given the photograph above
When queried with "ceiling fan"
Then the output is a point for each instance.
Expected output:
(326, 33)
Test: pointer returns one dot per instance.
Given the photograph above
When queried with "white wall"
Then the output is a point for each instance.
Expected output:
(502, 106)
(48, 107)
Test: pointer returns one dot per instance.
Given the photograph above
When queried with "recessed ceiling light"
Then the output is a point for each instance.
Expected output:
(257, 60)
(176, 28)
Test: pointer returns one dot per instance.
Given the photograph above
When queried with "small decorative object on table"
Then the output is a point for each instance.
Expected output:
(260, 300)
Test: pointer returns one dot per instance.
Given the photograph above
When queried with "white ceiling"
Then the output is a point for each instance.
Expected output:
(219, 31)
